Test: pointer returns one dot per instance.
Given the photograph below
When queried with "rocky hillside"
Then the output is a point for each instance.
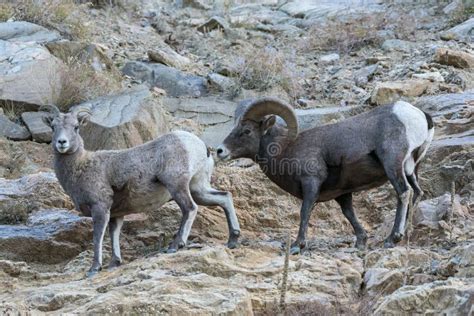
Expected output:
(147, 67)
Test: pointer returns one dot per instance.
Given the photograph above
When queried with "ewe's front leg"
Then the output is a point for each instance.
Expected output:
(310, 187)
(100, 219)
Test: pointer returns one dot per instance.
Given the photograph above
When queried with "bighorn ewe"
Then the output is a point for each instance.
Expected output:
(332, 161)
(107, 185)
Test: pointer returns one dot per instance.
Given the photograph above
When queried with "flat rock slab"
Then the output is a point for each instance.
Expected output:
(461, 32)
(12, 130)
(214, 115)
(176, 83)
(40, 131)
(21, 31)
(392, 91)
(123, 120)
(49, 236)
(29, 74)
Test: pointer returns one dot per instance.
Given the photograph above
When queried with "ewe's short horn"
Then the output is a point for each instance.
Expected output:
(76, 111)
(266, 106)
(51, 109)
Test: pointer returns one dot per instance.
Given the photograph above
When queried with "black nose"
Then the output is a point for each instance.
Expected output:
(62, 141)
(219, 151)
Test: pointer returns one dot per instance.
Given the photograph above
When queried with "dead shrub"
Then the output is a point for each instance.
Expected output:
(63, 15)
(80, 82)
(262, 69)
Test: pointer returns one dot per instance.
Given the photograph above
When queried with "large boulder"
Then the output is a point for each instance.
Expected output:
(124, 120)
(20, 197)
(21, 31)
(175, 82)
(49, 236)
(29, 75)
(454, 58)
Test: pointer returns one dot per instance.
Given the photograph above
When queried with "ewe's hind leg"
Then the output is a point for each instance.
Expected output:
(394, 168)
(115, 225)
(212, 197)
(345, 201)
(183, 198)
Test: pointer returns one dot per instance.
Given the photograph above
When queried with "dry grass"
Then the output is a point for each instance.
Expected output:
(350, 34)
(80, 82)
(63, 15)
(262, 69)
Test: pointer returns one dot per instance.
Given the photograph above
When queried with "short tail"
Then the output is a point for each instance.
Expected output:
(424, 147)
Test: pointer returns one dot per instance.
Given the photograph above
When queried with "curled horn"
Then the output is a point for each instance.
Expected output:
(266, 106)
(51, 109)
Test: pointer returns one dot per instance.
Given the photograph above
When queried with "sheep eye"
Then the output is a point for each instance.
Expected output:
(247, 131)
(76, 128)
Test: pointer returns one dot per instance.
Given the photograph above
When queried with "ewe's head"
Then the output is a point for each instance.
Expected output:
(255, 123)
(66, 138)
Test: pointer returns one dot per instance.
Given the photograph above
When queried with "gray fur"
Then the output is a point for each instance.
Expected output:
(107, 185)
(332, 161)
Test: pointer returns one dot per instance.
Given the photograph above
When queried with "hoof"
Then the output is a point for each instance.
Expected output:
(114, 264)
(361, 243)
(91, 273)
(171, 250)
(388, 244)
(232, 244)
(295, 250)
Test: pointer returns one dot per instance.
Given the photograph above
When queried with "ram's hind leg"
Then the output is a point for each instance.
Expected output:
(115, 226)
(395, 170)
(208, 196)
(182, 196)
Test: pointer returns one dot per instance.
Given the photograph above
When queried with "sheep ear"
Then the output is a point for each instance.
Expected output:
(47, 119)
(267, 123)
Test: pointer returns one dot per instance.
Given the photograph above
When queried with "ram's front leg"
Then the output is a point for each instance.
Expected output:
(100, 219)
(310, 188)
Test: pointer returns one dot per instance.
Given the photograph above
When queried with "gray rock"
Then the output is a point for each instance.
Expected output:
(214, 115)
(445, 104)
(397, 45)
(167, 56)
(365, 74)
(49, 236)
(461, 32)
(29, 74)
(213, 23)
(382, 279)
(41, 132)
(430, 212)
(124, 120)
(434, 76)
(329, 59)
(21, 31)
(11, 130)
(176, 83)
(22, 196)
(222, 83)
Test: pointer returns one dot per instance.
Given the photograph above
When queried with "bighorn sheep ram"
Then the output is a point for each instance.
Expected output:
(332, 161)
(107, 185)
